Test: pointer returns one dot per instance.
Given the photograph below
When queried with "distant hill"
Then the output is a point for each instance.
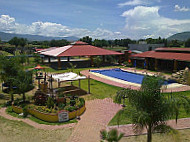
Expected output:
(8, 36)
(180, 36)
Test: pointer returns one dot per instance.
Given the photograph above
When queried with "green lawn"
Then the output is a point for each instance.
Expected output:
(98, 89)
(182, 136)
(17, 131)
(122, 116)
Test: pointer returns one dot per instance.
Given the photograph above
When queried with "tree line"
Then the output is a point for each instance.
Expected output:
(125, 42)
(23, 42)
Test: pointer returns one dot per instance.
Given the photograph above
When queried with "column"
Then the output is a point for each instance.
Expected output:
(59, 62)
(175, 66)
(156, 64)
(91, 59)
(146, 59)
(68, 59)
(119, 61)
(103, 58)
(49, 60)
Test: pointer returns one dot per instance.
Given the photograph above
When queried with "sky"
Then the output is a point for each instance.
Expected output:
(101, 19)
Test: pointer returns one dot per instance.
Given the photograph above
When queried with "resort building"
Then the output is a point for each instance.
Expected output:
(143, 47)
(163, 59)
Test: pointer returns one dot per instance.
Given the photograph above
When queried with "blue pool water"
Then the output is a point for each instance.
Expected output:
(124, 75)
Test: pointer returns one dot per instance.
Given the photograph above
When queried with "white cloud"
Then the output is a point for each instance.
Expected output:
(142, 21)
(181, 9)
(9, 24)
(138, 2)
(132, 3)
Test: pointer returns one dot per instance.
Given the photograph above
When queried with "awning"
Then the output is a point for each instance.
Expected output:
(69, 76)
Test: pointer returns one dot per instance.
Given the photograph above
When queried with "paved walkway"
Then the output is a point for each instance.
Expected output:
(34, 124)
(183, 123)
(114, 83)
(97, 116)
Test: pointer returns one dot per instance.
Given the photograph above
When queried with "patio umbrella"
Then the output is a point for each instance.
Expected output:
(38, 67)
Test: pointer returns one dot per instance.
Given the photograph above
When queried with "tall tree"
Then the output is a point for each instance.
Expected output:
(15, 41)
(86, 39)
(150, 109)
(9, 69)
(23, 82)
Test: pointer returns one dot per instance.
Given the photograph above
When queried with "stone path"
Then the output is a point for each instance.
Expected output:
(183, 123)
(34, 124)
(97, 116)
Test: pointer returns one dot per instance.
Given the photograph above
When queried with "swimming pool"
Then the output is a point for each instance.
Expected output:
(125, 75)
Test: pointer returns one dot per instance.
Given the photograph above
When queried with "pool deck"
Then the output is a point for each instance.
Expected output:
(124, 84)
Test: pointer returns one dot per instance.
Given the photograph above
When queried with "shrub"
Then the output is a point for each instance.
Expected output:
(8, 103)
(61, 106)
(70, 108)
(72, 102)
(2, 96)
(68, 101)
(25, 112)
(50, 102)
(128, 64)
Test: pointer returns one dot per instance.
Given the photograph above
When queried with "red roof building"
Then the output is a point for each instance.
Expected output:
(77, 48)
(165, 58)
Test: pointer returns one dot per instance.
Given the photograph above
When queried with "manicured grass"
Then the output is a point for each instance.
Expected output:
(17, 131)
(125, 119)
(182, 136)
(98, 89)
(12, 113)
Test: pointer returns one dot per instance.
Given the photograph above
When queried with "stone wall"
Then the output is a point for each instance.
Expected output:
(182, 76)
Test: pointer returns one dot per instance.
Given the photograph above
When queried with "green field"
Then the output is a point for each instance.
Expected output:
(182, 136)
(124, 119)
(16, 131)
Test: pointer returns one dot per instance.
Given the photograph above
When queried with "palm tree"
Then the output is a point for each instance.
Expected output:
(150, 109)
(111, 136)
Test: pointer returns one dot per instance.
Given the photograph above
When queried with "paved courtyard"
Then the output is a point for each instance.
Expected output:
(97, 116)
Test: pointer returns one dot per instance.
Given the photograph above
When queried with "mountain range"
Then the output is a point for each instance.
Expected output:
(8, 36)
(180, 36)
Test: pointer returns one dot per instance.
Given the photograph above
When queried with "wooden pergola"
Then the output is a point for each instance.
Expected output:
(77, 48)
(59, 81)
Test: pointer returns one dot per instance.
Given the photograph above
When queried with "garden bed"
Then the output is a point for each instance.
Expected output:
(50, 117)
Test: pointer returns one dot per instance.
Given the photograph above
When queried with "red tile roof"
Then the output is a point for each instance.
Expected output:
(39, 49)
(173, 49)
(80, 48)
(79, 43)
(164, 55)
